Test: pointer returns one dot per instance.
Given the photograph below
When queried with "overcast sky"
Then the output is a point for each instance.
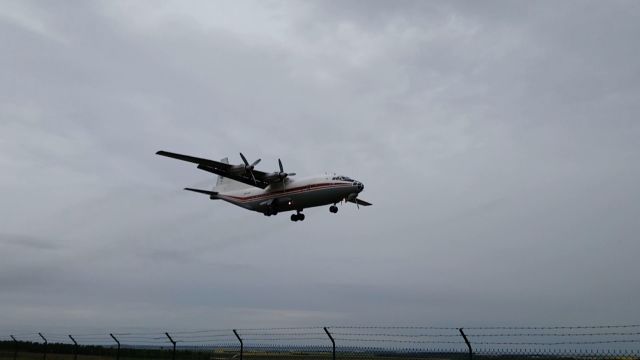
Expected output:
(498, 141)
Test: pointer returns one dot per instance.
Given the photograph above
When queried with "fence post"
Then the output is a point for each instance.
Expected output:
(333, 342)
(468, 343)
(15, 350)
(75, 347)
(241, 344)
(44, 355)
(174, 346)
(117, 342)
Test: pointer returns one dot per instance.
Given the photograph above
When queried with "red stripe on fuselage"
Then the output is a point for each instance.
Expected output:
(298, 189)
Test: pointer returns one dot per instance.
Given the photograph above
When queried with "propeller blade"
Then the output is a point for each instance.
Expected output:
(280, 163)
(255, 163)
(244, 159)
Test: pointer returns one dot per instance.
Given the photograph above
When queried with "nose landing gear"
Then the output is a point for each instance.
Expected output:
(333, 209)
(298, 216)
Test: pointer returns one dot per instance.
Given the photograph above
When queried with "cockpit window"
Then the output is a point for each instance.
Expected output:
(342, 178)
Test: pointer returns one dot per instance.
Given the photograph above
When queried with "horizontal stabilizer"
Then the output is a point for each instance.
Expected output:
(359, 202)
(212, 194)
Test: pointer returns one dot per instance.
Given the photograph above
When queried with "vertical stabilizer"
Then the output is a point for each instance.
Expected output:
(220, 178)
(225, 184)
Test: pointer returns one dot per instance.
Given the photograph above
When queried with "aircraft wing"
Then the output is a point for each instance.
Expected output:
(220, 168)
(195, 160)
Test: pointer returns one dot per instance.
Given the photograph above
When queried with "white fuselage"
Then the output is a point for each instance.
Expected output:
(294, 194)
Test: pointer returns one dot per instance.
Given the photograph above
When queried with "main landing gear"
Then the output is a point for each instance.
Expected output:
(298, 216)
(270, 212)
(333, 209)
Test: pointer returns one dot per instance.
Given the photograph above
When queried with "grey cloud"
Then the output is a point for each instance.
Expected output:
(498, 143)
(27, 241)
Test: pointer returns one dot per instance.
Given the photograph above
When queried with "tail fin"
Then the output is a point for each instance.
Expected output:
(220, 178)
(225, 184)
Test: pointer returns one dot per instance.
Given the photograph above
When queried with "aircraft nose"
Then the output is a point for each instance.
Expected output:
(360, 186)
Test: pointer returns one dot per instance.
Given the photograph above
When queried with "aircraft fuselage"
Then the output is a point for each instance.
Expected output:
(293, 194)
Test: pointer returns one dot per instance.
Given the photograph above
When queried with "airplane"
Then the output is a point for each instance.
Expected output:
(273, 192)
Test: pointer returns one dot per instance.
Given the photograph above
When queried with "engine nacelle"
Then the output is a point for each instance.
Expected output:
(275, 177)
(239, 169)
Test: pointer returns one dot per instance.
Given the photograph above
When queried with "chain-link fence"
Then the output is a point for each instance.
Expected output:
(335, 342)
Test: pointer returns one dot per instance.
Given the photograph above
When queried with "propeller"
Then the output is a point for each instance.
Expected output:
(248, 167)
(283, 174)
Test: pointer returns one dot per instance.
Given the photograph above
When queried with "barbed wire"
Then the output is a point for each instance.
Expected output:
(369, 334)
(400, 341)
(203, 341)
(187, 332)
(285, 338)
(549, 327)
(206, 336)
(560, 342)
(138, 333)
(396, 335)
(556, 334)
(395, 327)
(283, 334)
(282, 328)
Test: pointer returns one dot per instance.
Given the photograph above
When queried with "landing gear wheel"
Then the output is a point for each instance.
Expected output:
(333, 209)
(297, 216)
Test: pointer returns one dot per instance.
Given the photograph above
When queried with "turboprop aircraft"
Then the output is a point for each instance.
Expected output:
(273, 192)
